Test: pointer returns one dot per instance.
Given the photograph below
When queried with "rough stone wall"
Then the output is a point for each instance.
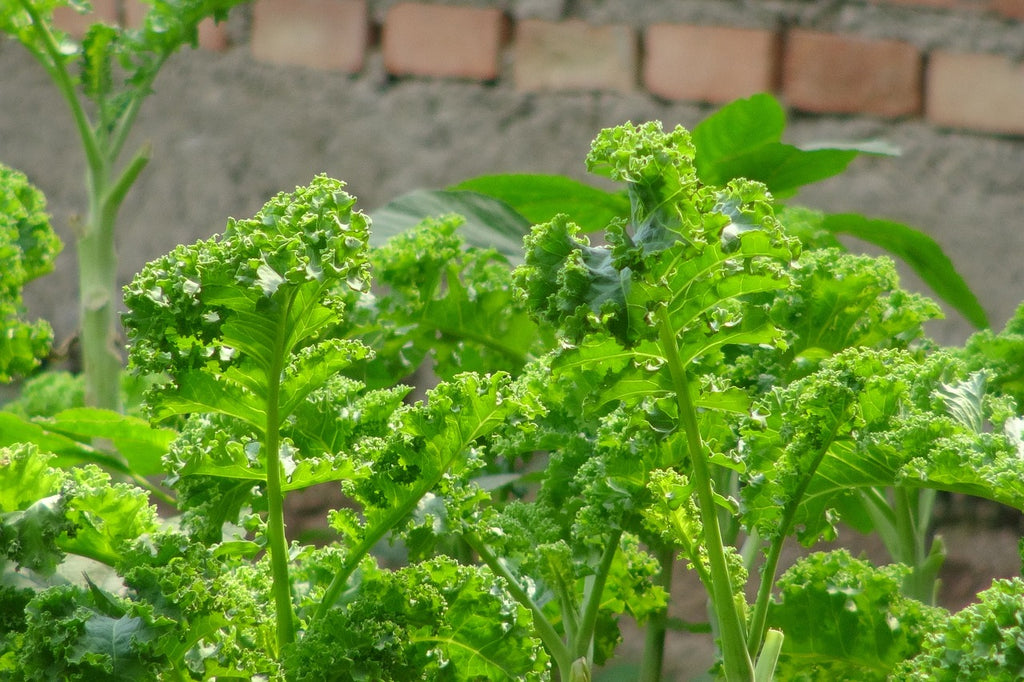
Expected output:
(393, 96)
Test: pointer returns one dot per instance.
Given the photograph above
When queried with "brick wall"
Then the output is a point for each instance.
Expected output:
(881, 58)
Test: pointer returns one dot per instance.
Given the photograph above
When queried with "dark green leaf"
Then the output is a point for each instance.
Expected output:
(922, 253)
(489, 223)
(744, 140)
(539, 198)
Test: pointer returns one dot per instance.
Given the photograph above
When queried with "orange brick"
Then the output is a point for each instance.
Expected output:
(708, 63)
(435, 40)
(829, 73)
(76, 24)
(322, 34)
(574, 55)
(977, 91)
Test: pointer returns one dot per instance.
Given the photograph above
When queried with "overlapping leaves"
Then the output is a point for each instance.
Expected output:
(46, 513)
(706, 255)
(435, 620)
(870, 419)
(238, 324)
(442, 299)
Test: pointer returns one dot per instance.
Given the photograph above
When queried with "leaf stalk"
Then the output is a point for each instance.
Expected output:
(737, 663)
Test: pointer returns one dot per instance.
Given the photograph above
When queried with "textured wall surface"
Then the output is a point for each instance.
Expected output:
(374, 103)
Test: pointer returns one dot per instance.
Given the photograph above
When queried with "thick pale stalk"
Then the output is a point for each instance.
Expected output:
(98, 296)
(654, 637)
(736, 661)
(276, 538)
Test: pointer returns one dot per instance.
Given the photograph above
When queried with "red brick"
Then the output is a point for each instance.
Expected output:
(943, 4)
(574, 55)
(322, 34)
(1013, 9)
(708, 63)
(829, 73)
(976, 91)
(435, 40)
(76, 24)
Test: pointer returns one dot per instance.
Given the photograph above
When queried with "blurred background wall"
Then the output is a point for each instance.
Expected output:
(392, 96)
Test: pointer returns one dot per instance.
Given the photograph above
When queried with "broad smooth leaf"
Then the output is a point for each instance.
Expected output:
(141, 445)
(69, 451)
(489, 223)
(920, 252)
(539, 198)
(743, 140)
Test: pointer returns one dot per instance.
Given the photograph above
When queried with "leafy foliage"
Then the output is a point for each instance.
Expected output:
(446, 300)
(982, 642)
(712, 367)
(47, 512)
(435, 620)
(28, 247)
(847, 620)
(999, 356)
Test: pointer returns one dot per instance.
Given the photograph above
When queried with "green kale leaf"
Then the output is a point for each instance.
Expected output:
(981, 642)
(844, 619)
(28, 248)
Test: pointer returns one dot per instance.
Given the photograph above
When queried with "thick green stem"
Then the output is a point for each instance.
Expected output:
(97, 258)
(276, 538)
(764, 669)
(912, 514)
(584, 643)
(736, 661)
(98, 295)
(657, 626)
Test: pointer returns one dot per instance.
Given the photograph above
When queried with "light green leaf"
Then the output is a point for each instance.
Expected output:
(845, 620)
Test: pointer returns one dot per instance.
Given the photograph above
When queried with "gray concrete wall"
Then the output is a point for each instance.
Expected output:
(227, 133)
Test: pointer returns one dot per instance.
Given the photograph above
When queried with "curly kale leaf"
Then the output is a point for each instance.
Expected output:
(241, 327)
(836, 301)
(702, 251)
(442, 299)
(28, 248)
(435, 447)
(982, 457)
(46, 513)
(981, 642)
(220, 315)
(587, 511)
(430, 453)
(704, 260)
(220, 606)
(872, 419)
(847, 620)
(76, 634)
(999, 355)
(435, 620)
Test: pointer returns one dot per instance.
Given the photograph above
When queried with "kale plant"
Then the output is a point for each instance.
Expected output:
(104, 79)
(700, 384)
